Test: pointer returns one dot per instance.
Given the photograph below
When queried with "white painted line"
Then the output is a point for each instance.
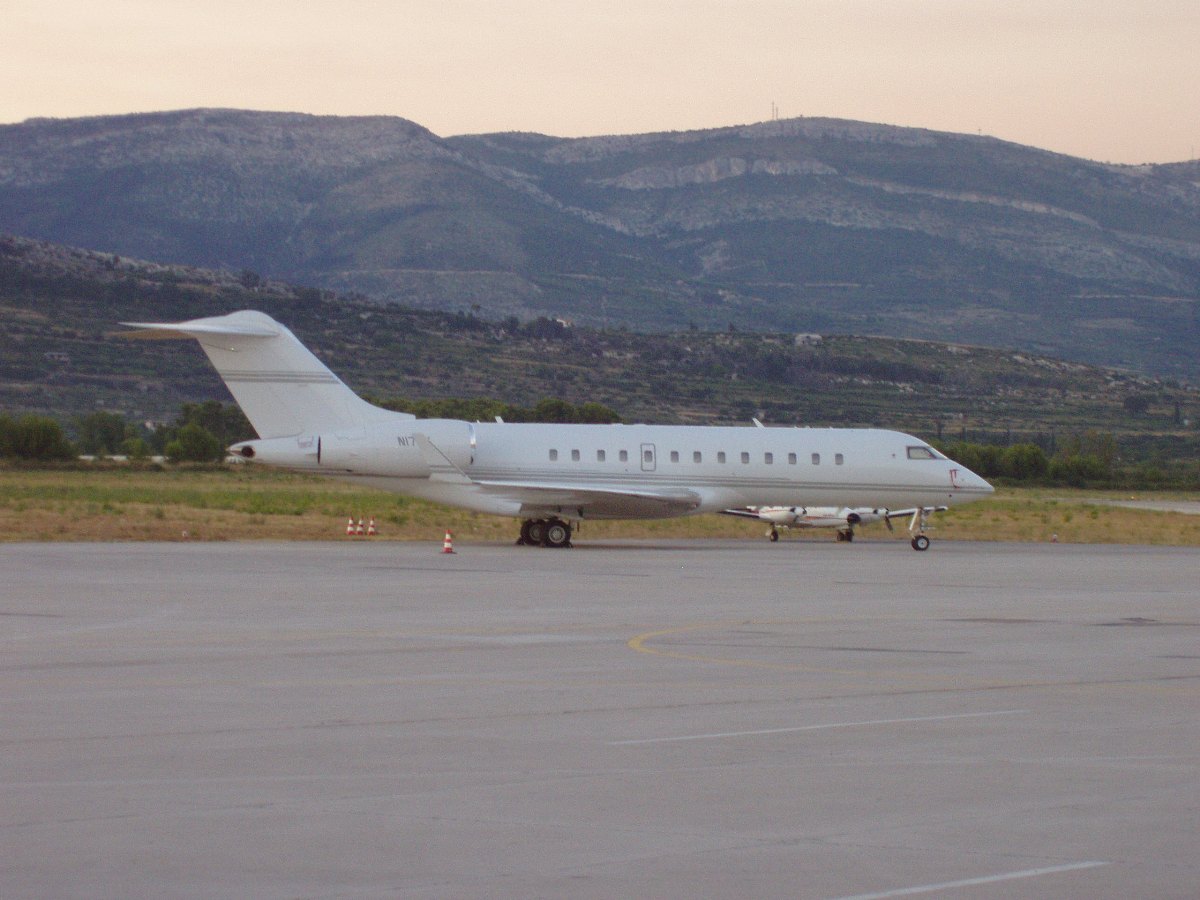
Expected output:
(968, 882)
(726, 734)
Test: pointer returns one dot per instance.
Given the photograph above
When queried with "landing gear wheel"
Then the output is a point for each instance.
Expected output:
(533, 531)
(920, 542)
(848, 536)
(841, 536)
(557, 534)
(773, 535)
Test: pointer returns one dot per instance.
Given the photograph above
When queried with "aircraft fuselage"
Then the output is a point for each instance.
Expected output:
(720, 467)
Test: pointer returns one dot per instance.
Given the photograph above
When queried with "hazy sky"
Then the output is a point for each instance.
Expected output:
(1112, 80)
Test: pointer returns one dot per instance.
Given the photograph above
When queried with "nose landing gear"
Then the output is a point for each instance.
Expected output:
(920, 521)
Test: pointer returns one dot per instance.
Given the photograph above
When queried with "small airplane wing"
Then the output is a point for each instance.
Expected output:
(744, 513)
(890, 514)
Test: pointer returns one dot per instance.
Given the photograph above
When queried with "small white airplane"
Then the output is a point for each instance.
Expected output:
(552, 477)
(843, 518)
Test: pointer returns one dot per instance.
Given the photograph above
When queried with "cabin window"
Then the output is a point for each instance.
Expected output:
(838, 459)
(769, 459)
(791, 459)
(696, 457)
(721, 457)
(599, 456)
(624, 456)
(575, 455)
(920, 453)
(648, 457)
(553, 455)
(674, 456)
(816, 459)
(745, 458)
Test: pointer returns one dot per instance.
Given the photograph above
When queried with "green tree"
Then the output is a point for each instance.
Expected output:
(982, 459)
(101, 433)
(39, 438)
(484, 410)
(1078, 470)
(194, 444)
(135, 448)
(551, 409)
(1085, 458)
(596, 413)
(226, 422)
(6, 430)
(1024, 462)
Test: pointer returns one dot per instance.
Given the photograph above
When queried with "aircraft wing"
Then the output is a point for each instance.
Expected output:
(890, 514)
(593, 502)
(570, 499)
(744, 513)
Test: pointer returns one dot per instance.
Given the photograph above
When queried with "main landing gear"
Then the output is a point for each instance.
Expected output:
(545, 533)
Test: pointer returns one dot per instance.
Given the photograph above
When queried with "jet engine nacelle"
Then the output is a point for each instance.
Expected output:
(390, 450)
(300, 451)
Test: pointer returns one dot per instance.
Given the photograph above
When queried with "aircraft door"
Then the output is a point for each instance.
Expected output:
(647, 457)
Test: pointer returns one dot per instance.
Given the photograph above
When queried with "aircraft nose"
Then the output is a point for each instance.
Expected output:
(967, 480)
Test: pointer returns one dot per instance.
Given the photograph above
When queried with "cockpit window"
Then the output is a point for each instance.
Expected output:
(921, 453)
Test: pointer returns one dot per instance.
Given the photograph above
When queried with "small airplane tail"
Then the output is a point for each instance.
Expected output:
(281, 387)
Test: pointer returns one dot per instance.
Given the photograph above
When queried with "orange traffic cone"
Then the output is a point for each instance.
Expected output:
(371, 532)
(359, 531)
(350, 528)
(448, 543)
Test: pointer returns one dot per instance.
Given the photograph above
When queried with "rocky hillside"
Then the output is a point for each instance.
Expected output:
(808, 225)
(60, 309)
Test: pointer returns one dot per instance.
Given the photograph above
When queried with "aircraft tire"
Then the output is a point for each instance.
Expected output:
(773, 535)
(534, 531)
(920, 542)
(556, 534)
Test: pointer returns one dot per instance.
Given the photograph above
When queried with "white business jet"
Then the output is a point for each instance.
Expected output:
(844, 519)
(552, 477)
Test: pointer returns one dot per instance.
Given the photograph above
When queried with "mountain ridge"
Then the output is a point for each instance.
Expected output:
(797, 224)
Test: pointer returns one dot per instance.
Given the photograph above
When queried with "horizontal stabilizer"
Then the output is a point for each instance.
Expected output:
(164, 331)
(280, 385)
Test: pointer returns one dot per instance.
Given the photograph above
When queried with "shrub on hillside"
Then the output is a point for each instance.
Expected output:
(35, 438)
(194, 444)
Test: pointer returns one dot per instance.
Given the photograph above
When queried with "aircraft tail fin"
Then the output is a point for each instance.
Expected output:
(280, 385)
